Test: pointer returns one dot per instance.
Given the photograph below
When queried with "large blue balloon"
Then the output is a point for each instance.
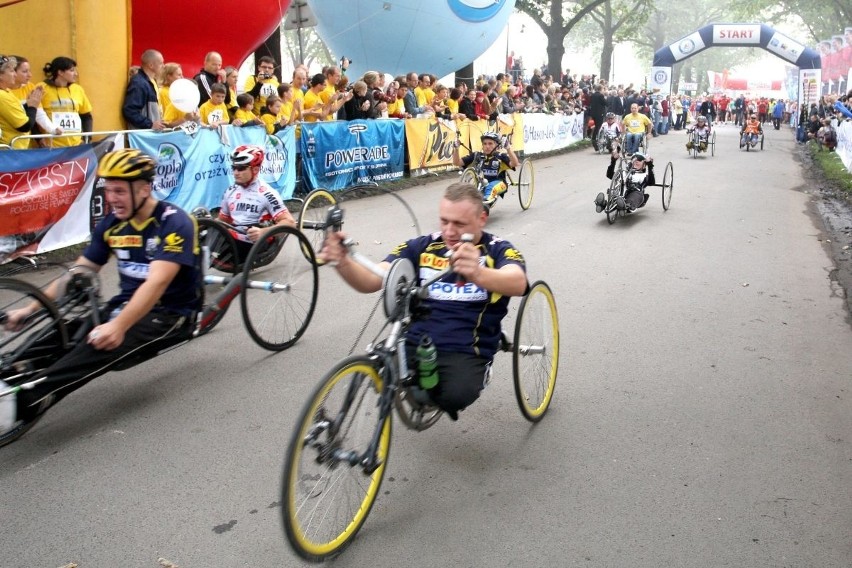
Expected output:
(399, 36)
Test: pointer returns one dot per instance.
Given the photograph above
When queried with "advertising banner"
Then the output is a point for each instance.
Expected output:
(546, 132)
(338, 155)
(430, 144)
(279, 166)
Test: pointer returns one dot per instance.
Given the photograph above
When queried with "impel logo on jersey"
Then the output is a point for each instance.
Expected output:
(170, 166)
(476, 10)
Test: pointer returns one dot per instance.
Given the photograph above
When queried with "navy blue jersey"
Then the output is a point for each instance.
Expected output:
(494, 166)
(169, 234)
(464, 318)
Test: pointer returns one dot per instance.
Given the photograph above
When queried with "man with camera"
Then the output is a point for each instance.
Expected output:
(264, 84)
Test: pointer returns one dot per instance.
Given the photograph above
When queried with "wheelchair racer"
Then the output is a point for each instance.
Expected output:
(250, 203)
(464, 315)
(493, 164)
(158, 259)
(611, 129)
(639, 175)
(750, 132)
(702, 127)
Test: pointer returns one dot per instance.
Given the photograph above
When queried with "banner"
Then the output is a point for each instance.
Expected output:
(545, 132)
(46, 198)
(430, 144)
(337, 155)
(192, 170)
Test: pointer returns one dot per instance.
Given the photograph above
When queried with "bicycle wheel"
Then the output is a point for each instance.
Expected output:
(220, 247)
(330, 479)
(469, 176)
(536, 351)
(601, 141)
(526, 184)
(761, 141)
(695, 144)
(713, 144)
(42, 338)
(312, 217)
(277, 311)
(612, 195)
(668, 186)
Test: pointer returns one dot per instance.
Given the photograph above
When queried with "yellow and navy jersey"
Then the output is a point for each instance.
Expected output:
(463, 318)
(494, 166)
(169, 234)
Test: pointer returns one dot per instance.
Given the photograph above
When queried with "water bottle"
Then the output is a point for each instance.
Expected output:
(427, 363)
(312, 144)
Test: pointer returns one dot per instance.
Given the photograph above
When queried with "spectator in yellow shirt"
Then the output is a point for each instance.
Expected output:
(172, 116)
(215, 112)
(245, 113)
(313, 108)
(65, 101)
(264, 84)
(15, 119)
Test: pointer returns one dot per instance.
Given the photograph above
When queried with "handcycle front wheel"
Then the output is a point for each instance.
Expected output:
(470, 176)
(613, 193)
(312, 217)
(526, 184)
(535, 355)
(330, 480)
(713, 144)
(668, 186)
(277, 310)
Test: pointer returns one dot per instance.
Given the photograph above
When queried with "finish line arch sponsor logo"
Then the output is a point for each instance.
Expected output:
(476, 10)
(687, 46)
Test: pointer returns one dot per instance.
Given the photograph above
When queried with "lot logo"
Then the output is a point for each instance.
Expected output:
(687, 46)
(275, 164)
(170, 166)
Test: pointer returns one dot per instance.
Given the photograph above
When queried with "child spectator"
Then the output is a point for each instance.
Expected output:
(244, 116)
(215, 112)
(271, 117)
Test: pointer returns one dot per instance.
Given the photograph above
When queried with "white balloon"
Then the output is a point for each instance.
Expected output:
(184, 95)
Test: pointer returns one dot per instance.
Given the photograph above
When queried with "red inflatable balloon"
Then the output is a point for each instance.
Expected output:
(184, 31)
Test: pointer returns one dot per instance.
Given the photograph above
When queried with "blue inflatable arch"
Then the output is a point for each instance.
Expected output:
(738, 35)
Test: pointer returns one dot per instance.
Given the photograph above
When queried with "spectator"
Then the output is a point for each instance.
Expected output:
(15, 119)
(141, 108)
(467, 106)
(358, 106)
(65, 101)
(172, 116)
(423, 91)
(245, 112)
(22, 89)
(826, 136)
(597, 111)
(209, 76)
(412, 106)
(214, 112)
(231, 76)
(290, 111)
(264, 84)
(313, 108)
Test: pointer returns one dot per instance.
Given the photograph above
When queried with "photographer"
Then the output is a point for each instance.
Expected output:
(263, 84)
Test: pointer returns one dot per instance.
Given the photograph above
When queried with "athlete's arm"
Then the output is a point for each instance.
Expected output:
(508, 280)
(357, 276)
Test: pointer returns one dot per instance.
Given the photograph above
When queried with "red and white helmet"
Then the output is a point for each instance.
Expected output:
(247, 155)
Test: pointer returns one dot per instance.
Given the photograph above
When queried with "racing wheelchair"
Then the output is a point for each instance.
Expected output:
(695, 138)
(338, 452)
(607, 142)
(751, 141)
(618, 188)
(523, 180)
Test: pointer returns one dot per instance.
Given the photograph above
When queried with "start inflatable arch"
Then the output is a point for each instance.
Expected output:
(739, 35)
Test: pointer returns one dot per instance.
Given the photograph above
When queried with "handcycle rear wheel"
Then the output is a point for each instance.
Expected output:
(668, 186)
(535, 356)
(526, 184)
(45, 329)
(220, 255)
(277, 310)
(761, 141)
(312, 217)
(713, 144)
(613, 193)
(327, 492)
(695, 144)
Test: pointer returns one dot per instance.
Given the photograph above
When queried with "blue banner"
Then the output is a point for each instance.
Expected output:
(191, 170)
(337, 155)
(279, 167)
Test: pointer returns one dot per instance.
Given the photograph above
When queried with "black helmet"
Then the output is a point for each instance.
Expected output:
(640, 156)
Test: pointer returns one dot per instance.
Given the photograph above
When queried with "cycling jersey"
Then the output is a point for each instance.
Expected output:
(168, 234)
(611, 130)
(494, 166)
(463, 317)
(250, 205)
(703, 132)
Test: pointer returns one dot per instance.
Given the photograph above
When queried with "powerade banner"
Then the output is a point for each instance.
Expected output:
(191, 170)
(46, 198)
(337, 155)
(279, 167)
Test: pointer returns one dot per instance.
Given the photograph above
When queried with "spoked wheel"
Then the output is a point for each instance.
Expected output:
(526, 184)
(469, 176)
(713, 144)
(329, 483)
(695, 145)
(312, 217)
(761, 141)
(612, 194)
(220, 258)
(601, 141)
(536, 351)
(668, 186)
(414, 415)
(278, 301)
(42, 338)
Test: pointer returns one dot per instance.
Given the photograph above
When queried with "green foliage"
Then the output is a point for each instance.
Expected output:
(832, 168)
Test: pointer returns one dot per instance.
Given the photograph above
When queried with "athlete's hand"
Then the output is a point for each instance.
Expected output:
(15, 319)
(465, 261)
(106, 336)
(254, 233)
(333, 250)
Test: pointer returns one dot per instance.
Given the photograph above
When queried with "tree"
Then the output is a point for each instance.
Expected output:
(610, 18)
(556, 19)
(821, 20)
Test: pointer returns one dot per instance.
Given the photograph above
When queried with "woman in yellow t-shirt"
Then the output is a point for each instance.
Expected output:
(172, 116)
(15, 120)
(231, 76)
(22, 89)
(65, 101)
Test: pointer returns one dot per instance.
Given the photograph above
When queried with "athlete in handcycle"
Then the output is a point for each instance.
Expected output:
(751, 133)
(609, 135)
(630, 178)
(699, 135)
(55, 341)
(490, 169)
(452, 287)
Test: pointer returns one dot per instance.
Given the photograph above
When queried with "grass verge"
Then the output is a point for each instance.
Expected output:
(832, 168)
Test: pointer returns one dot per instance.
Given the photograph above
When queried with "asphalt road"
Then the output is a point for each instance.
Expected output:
(702, 416)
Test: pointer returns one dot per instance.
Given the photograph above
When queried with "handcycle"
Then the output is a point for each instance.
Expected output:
(696, 142)
(607, 141)
(338, 452)
(618, 187)
(750, 141)
(524, 180)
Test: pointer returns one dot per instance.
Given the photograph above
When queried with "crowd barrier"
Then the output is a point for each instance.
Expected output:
(50, 198)
(844, 144)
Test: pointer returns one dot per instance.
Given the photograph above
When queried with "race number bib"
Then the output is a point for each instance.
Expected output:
(68, 121)
(268, 90)
(215, 116)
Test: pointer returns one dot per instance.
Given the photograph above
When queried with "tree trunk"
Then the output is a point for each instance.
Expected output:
(606, 50)
(272, 48)
(555, 52)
